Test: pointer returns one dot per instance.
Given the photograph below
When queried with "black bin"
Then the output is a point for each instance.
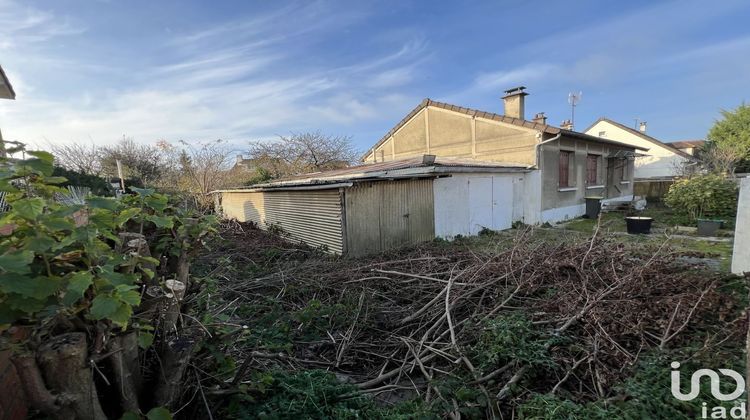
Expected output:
(638, 225)
(593, 207)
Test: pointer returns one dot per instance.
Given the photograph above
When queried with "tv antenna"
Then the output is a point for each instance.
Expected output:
(573, 100)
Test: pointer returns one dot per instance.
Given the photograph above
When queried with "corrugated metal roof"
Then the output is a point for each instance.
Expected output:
(404, 168)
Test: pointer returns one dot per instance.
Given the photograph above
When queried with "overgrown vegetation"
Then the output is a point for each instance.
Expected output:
(704, 196)
(499, 325)
(95, 291)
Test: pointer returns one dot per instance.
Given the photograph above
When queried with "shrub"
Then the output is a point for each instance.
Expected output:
(703, 196)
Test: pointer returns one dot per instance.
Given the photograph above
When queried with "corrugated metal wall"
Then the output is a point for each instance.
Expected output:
(387, 214)
(313, 217)
(310, 216)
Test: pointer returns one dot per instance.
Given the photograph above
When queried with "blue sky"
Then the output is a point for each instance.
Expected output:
(238, 70)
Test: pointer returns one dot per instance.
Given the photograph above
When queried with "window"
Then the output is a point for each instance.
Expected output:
(564, 174)
(592, 169)
(602, 134)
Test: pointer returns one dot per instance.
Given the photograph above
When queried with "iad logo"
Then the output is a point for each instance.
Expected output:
(718, 412)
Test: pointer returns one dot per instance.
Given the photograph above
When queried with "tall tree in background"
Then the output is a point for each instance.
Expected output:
(304, 152)
(206, 167)
(728, 146)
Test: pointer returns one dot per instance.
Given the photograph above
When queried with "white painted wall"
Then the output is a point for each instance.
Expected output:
(465, 203)
(661, 161)
(741, 254)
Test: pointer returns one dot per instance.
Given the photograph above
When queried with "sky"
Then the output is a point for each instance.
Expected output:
(93, 71)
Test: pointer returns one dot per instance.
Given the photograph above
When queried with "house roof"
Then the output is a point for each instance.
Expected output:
(6, 89)
(684, 144)
(642, 135)
(545, 128)
(396, 169)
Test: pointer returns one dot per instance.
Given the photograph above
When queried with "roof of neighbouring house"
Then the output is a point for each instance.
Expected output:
(642, 135)
(545, 128)
(6, 89)
(397, 169)
(684, 144)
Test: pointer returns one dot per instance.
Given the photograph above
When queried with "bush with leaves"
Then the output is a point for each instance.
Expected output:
(75, 277)
(709, 196)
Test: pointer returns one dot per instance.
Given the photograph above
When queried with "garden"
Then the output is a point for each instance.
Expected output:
(148, 307)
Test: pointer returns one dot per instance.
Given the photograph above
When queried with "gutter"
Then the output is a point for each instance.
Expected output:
(536, 146)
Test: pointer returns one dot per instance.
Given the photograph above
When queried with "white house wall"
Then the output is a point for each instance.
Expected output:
(466, 203)
(661, 162)
(741, 254)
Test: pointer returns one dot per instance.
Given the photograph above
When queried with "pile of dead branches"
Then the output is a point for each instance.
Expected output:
(407, 320)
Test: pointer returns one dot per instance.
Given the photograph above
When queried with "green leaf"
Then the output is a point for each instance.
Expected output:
(157, 202)
(129, 415)
(42, 155)
(32, 287)
(130, 297)
(39, 243)
(122, 315)
(77, 285)
(158, 413)
(57, 224)
(145, 339)
(126, 215)
(42, 164)
(161, 221)
(102, 203)
(144, 192)
(104, 306)
(16, 261)
(28, 208)
(55, 179)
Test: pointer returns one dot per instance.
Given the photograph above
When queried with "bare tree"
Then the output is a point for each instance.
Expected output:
(305, 152)
(79, 157)
(140, 161)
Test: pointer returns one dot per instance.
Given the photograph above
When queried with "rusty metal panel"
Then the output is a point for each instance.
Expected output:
(244, 206)
(313, 217)
(389, 214)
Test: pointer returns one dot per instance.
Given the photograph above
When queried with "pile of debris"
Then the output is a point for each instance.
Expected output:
(516, 317)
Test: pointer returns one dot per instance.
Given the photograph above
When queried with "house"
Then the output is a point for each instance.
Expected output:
(688, 146)
(663, 160)
(443, 171)
(6, 89)
(566, 165)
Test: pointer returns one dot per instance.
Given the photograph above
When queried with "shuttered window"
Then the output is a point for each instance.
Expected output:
(564, 175)
(592, 169)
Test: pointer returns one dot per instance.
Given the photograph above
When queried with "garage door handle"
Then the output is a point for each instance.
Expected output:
(406, 215)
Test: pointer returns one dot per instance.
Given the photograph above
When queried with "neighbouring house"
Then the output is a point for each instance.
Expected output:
(688, 146)
(443, 171)
(244, 164)
(663, 160)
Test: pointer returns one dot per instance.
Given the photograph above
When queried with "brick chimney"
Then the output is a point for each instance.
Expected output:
(514, 102)
(540, 118)
(567, 125)
(642, 127)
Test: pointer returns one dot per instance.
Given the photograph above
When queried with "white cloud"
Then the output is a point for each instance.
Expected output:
(236, 81)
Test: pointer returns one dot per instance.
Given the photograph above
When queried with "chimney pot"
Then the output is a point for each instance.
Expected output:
(513, 102)
(567, 125)
(540, 118)
(642, 127)
(239, 159)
